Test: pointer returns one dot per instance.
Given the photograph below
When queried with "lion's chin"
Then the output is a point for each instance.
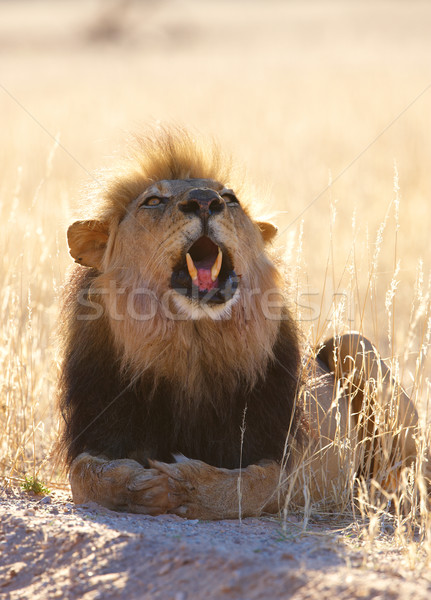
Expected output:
(196, 310)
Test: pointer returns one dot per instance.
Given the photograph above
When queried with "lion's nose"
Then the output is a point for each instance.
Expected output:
(202, 203)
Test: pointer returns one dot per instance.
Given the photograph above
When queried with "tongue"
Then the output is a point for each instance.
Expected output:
(204, 280)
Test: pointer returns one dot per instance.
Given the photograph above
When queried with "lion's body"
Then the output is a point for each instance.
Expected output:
(152, 368)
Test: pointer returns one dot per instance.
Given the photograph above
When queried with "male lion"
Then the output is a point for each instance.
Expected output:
(183, 388)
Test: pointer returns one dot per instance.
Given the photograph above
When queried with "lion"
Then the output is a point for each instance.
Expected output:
(184, 387)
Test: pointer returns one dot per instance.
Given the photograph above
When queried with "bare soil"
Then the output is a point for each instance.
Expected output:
(50, 548)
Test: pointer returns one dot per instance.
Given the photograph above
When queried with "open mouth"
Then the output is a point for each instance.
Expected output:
(205, 273)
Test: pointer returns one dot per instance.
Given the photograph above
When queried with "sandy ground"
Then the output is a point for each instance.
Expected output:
(51, 549)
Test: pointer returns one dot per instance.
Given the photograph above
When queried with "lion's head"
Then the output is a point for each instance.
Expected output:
(187, 241)
(181, 267)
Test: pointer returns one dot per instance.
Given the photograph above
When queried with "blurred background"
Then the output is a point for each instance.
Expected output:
(326, 104)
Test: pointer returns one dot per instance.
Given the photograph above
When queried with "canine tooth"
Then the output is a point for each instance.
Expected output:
(193, 272)
(215, 269)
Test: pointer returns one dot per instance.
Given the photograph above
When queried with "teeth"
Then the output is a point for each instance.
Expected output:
(193, 272)
(215, 269)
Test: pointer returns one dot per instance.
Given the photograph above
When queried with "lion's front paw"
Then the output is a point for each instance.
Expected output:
(193, 487)
(152, 492)
(122, 484)
(201, 491)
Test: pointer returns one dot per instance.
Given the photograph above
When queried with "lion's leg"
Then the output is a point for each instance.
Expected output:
(386, 417)
(328, 462)
(206, 492)
(120, 485)
(189, 488)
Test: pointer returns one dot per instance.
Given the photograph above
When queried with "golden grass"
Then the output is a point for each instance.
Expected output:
(298, 92)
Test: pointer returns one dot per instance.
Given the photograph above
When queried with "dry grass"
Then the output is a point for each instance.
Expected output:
(297, 91)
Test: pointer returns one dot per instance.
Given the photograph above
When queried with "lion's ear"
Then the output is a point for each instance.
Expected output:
(268, 230)
(87, 242)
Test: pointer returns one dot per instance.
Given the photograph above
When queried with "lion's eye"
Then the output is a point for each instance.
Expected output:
(152, 202)
(230, 199)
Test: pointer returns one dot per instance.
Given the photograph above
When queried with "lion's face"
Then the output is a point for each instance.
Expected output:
(188, 241)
